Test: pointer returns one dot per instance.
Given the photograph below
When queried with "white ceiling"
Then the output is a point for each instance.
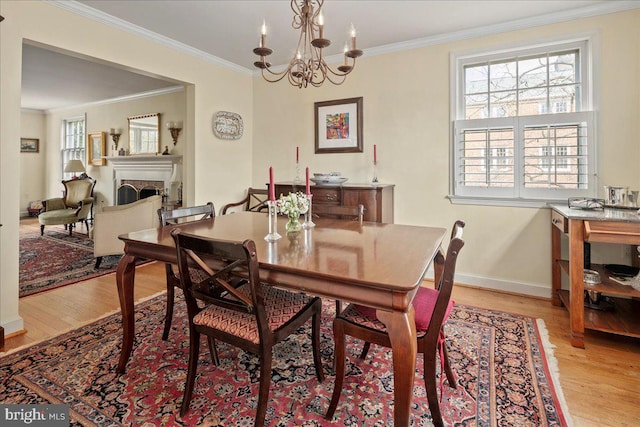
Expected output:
(226, 32)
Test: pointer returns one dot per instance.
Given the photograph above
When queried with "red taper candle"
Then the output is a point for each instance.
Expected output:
(297, 154)
(308, 188)
(375, 154)
(272, 189)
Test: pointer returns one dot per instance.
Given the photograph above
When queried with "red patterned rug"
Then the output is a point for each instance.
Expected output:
(499, 359)
(57, 259)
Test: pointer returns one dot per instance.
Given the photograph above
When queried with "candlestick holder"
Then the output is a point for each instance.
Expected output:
(308, 215)
(297, 179)
(273, 222)
(374, 181)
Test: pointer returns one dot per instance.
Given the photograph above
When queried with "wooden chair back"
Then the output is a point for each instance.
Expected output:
(209, 281)
(255, 201)
(77, 190)
(355, 213)
(444, 284)
(190, 213)
(177, 216)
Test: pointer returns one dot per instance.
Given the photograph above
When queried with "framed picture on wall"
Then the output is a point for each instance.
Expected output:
(29, 145)
(97, 145)
(338, 126)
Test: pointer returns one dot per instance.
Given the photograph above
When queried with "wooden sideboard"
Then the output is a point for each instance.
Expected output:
(608, 226)
(377, 200)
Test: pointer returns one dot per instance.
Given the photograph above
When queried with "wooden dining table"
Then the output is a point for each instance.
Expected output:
(374, 264)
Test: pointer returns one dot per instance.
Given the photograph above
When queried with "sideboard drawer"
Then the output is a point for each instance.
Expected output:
(559, 221)
(326, 195)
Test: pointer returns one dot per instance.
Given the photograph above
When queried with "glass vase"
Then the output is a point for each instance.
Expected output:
(293, 225)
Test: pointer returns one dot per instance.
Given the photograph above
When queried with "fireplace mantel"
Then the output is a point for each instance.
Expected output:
(144, 168)
(144, 160)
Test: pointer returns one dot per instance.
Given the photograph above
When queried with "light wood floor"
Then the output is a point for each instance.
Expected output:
(601, 384)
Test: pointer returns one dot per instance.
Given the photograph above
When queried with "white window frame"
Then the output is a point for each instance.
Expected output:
(519, 195)
(81, 152)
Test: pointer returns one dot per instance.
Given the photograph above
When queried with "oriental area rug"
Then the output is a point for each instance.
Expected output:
(502, 369)
(57, 259)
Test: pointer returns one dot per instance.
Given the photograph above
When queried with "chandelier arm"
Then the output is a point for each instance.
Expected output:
(340, 73)
(343, 78)
(297, 15)
(278, 75)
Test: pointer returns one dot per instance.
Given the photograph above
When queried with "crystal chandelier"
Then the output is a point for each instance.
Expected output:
(308, 67)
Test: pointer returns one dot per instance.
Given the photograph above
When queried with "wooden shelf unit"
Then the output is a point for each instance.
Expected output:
(608, 226)
(624, 319)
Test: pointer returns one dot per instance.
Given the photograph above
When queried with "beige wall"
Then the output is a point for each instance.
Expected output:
(101, 118)
(406, 114)
(210, 88)
(32, 165)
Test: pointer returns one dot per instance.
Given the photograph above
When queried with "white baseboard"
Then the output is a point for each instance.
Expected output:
(510, 286)
(12, 326)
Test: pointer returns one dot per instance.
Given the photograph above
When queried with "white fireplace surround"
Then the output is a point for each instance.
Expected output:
(144, 168)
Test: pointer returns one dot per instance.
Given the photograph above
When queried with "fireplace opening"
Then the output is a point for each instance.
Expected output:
(133, 190)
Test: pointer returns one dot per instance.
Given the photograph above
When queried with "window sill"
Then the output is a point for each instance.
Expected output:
(514, 203)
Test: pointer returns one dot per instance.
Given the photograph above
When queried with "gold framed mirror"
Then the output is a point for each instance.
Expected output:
(144, 134)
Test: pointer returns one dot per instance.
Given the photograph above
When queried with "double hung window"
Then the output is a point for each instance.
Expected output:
(523, 125)
(73, 143)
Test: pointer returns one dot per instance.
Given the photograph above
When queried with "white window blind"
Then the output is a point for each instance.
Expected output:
(523, 125)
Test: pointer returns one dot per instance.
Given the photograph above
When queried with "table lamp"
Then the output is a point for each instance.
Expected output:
(74, 166)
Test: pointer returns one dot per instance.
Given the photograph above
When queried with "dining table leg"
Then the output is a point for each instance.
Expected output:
(402, 333)
(125, 275)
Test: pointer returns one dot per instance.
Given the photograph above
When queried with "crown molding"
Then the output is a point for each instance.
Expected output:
(32, 111)
(520, 24)
(163, 91)
(104, 18)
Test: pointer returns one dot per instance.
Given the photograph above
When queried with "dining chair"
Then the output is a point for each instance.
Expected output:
(172, 217)
(431, 306)
(254, 316)
(255, 201)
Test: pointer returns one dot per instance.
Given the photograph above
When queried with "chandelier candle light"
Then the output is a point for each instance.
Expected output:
(308, 217)
(307, 67)
(272, 204)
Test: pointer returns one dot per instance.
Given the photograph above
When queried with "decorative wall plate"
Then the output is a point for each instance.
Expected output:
(227, 125)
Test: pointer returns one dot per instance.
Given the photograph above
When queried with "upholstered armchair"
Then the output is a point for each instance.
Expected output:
(75, 206)
(113, 221)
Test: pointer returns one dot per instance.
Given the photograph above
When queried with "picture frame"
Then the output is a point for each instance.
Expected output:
(29, 145)
(338, 126)
(96, 148)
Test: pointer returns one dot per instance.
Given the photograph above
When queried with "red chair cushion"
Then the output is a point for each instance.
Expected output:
(423, 305)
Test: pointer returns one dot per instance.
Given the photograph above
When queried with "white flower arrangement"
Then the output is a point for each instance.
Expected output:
(293, 204)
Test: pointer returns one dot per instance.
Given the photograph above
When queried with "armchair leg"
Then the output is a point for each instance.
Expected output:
(169, 309)
(432, 390)
(98, 261)
(42, 230)
(70, 229)
(265, 383)
(194, 351)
